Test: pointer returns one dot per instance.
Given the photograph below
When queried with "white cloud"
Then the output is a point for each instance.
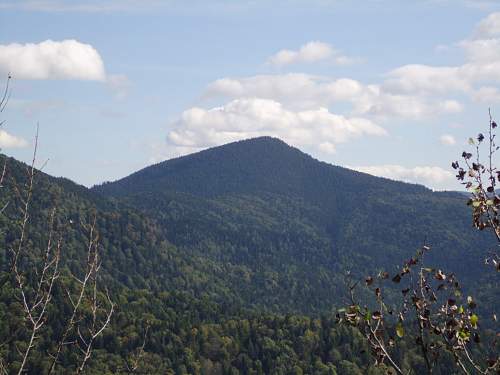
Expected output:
(434, 177)
(239, 119)
(489, 27)
(304, 91)
(425, 79)
(487, 94)
(481, 50)
(67, 59)
(450, 106)
(381, 103)
(298, 90)
(309, 53)
(294, 88)
(481, 66)
(413, 91)
(10, 141)
(447, 140)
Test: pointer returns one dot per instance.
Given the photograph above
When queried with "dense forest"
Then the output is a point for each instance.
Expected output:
(231, 261)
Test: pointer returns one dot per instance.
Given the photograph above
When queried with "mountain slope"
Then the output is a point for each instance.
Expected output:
(256, 165)
(270, 232)
(135, 252)
(291, 225)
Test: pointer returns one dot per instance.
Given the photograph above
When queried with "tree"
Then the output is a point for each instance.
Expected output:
(431, 312)
(481, 181)
(35, 273)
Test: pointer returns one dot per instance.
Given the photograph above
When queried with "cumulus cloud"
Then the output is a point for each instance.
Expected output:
(487, 94)
(298, 90)
(481, 66)
(67, 59)
(381, 103)
(426, 79)
(309, 53)
(481, 50)
(489, 27)
(10, 141)
(304, 91)
(434, 177)
(298, 107)
(239, 119)
(447, 140)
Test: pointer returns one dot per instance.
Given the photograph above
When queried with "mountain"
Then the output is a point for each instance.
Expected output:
(257, 224)
(215, 258)
(253, 166)
(284, 227)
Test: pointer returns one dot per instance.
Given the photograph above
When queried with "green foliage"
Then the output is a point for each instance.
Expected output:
(266, 215)
(214, 259)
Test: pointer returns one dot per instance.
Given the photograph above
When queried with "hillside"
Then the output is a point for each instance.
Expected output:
(289, 226)
(223, 267)
(252, 166)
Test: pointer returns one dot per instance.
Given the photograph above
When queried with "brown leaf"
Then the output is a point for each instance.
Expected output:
(440, 275)
(369, 280)
(397, 278)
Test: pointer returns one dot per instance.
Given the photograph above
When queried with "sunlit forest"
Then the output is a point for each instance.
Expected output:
(223, 188)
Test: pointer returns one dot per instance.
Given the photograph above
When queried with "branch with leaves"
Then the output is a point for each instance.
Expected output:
(481, 180)
(34, 296)
(89, 314)
(432, 312)
(35, 273)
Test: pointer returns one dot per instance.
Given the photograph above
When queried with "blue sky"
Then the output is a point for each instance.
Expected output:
(393, 88)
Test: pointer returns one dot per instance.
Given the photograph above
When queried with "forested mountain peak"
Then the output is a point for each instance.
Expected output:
(263, 164)
(267, 208)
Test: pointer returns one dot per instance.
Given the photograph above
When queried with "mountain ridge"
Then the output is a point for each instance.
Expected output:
(261, 202)
(288, 232)
(248, 156)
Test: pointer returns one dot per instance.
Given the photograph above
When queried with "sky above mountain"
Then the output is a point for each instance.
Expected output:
(392, 88)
